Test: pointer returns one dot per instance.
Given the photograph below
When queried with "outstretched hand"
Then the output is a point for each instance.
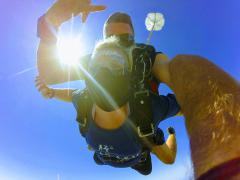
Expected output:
(63, 10)
(46, 92)
(171, 130)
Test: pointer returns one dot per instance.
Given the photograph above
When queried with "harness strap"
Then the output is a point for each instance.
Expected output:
(142, 113)
(140, 103)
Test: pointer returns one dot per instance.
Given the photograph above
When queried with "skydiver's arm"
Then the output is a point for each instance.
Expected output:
(63, 94)
(51, 69)
(161, 69)
(49, 66)
(48, 93)
(161, 72)
(166, 152)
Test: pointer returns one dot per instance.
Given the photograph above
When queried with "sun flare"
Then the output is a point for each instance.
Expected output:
(69, 49)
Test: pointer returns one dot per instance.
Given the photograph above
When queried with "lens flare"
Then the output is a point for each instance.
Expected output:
(69, 49)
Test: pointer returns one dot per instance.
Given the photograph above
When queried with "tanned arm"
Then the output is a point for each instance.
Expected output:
(161, 69)
(48, 93)
(49, 66)
(167, 152)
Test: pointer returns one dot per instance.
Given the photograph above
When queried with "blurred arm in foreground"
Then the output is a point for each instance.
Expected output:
(210, 101)
(168, 150)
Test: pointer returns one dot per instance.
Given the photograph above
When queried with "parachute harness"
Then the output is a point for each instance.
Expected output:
(140, 102)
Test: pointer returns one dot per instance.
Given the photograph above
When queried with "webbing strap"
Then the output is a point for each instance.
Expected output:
(142, 113)
(141, 107)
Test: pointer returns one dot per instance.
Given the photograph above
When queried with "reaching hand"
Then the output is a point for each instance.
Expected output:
(171, 130)
(63, 10)
(46, 92)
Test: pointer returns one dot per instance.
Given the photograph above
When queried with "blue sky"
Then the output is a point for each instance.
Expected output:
(39, 138)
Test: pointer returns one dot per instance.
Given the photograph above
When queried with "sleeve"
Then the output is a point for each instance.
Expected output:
(173, 106)
(159, 52)
(158, 138)
(164, 107)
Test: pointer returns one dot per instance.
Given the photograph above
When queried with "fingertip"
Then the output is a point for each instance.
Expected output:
(38, 84)
(103, 7)
(97, 8)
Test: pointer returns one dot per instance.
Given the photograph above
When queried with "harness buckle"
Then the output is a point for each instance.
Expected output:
(141, 93)
(147, 134)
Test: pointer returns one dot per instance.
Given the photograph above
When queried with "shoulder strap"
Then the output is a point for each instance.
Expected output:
(140, 103)
(143, 59)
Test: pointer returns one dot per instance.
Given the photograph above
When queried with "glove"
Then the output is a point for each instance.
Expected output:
(63, 10)
(171, 130)
(159, 137)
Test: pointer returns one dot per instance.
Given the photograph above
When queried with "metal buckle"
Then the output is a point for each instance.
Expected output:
(84, 122)
(145, 135)
(141, 92)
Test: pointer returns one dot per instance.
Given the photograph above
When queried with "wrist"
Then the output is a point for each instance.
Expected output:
(52, 93)
(53, 19)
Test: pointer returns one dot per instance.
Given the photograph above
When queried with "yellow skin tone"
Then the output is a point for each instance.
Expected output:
(50, 71)
(213, 123)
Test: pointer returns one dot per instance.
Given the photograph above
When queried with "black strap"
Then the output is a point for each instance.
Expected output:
(140, 103)
(142, 113)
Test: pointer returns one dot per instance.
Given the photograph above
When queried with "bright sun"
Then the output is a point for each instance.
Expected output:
(69, 49)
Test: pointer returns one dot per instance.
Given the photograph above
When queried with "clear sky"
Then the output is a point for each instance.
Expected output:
(39, 139)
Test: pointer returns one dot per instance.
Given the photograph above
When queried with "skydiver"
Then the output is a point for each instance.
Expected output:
(120, 26)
